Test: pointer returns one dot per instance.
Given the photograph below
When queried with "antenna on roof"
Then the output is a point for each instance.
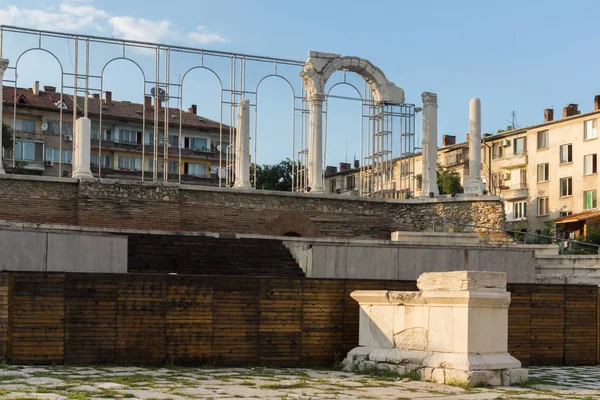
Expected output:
(513, 121)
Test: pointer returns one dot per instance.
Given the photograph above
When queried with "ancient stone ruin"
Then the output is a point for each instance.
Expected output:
(454, 330)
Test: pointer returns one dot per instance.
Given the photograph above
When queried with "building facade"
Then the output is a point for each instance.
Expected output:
(544, 173)
(122, 147)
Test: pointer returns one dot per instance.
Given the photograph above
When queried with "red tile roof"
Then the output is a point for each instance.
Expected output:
(115, 109)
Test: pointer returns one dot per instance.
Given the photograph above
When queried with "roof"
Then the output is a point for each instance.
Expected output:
(589, 214)
(541, 125)
(115, 109)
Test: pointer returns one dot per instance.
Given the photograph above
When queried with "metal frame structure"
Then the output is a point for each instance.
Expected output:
(383, 123)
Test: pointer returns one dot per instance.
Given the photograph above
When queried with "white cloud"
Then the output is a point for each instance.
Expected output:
(81, 15)
(203, 36)
(140, 29)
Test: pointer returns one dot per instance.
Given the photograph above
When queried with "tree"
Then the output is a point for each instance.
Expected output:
(448, 180)
(6, 137)
(508, 128)
(273, 177)
(7, 144)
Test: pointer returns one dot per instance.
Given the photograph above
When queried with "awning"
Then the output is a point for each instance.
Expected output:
(582, 216)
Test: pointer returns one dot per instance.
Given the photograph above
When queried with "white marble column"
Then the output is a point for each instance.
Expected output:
(3, 66)
(82, 148)
(315, 144)
(474, 185)
(242, 146)
(429, 144)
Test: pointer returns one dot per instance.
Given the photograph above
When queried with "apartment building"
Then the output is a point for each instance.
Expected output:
(546, 172)
(123, 147)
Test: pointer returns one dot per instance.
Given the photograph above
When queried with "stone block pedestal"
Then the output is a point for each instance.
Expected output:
(453, 330)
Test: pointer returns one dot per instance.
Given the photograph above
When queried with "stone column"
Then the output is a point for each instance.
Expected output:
(315, 143)
(429, 144)
(474, 185)
(242, 146)
(82, 148)
(3, 65)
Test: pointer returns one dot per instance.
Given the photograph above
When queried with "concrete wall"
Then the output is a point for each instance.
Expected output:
(576, 264)
(401, 261)
(26, 250)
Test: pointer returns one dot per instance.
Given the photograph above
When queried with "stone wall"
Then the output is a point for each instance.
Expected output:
(172, 207)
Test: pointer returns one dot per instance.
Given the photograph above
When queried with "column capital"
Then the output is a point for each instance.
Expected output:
(429, 98)
(316, 97)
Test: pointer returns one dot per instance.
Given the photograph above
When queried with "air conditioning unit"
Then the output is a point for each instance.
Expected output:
(505, 143)
(68, 138)
(49, 163)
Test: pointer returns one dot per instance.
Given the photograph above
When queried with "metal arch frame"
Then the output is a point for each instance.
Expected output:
(276, 75)
(236, 90)
(199, 67)
(60, 123)
(100, 131)
(362, 101)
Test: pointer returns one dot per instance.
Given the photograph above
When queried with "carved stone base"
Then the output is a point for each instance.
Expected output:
(446, 368)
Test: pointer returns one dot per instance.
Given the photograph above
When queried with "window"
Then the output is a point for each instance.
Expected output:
(149, 138)
(519, 146)
(23, 125)
(28, 151)
(589, 199)
(194, 169)
(106, 161)
(106, 134)
(129, 136)
(332, 185)
(590, 164)
(565, 213)
(542, 140)
(518, 179)
(133, 163)
(173, 167)
(404, 169)
(54, 128)
(497, 151)
(542, 206)
(542, 172)
(566, 187)
(196, 143)
(174, 141)
(566, 153)
(53, 155)
(589, 129)
(519, 210)
(350, 182)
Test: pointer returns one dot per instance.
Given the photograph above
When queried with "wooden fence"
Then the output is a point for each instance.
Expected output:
(151, 319)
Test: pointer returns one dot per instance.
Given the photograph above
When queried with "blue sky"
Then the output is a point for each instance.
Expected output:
(520, 56)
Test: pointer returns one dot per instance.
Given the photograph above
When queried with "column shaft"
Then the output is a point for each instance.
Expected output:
(242, 146)
(3, 65)
(315, 145)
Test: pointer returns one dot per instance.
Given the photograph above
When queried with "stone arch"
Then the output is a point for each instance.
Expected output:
(320, 66)
(286, 224)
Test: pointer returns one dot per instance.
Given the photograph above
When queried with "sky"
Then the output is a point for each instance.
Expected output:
(516, 56)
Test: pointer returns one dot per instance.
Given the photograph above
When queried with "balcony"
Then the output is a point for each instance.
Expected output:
(515, 161)
(515, 192)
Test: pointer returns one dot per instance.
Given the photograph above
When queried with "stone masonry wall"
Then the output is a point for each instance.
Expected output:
(171, 207)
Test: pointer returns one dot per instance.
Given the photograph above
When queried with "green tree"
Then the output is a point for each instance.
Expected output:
(6, 137)
(448, 180)
(273, 177)
(508, 128)
(7, 144)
